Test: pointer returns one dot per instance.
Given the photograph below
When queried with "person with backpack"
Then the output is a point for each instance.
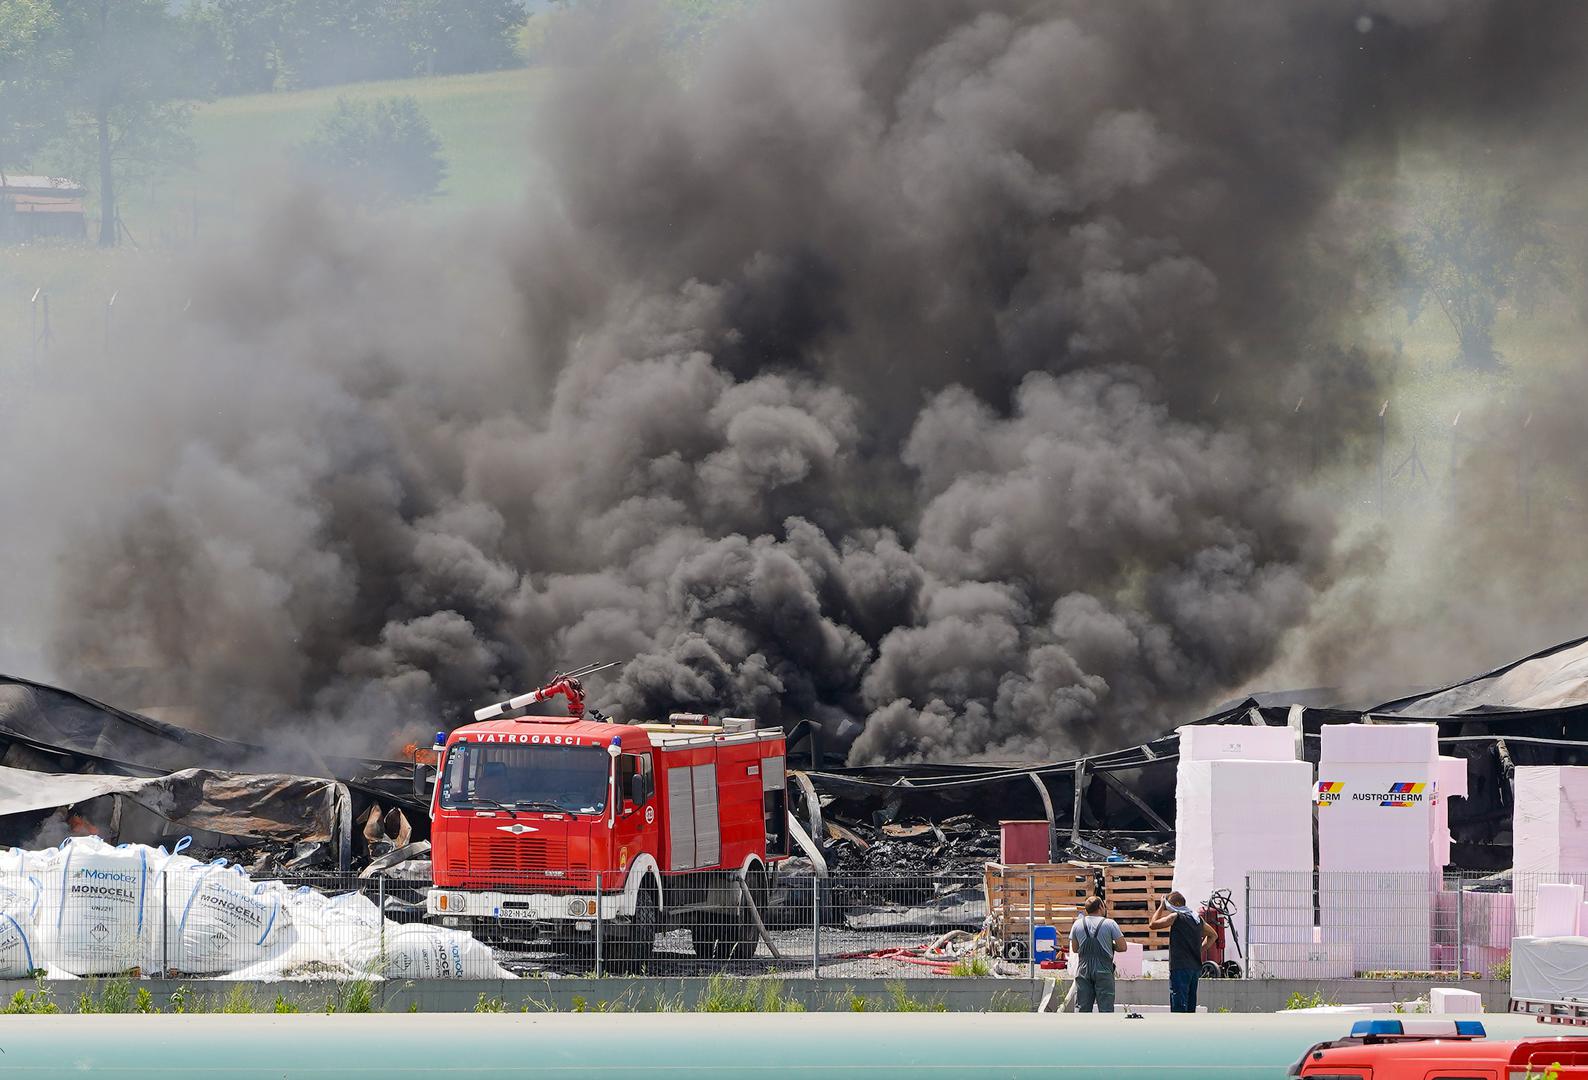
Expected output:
(1189, 935)
(1094, 940)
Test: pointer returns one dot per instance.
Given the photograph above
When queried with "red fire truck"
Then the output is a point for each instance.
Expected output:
(1440, 1049)
(540, 824)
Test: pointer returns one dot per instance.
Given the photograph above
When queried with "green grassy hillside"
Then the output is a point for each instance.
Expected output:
(483, 122)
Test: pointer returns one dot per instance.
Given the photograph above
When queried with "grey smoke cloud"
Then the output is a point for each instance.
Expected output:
(862, 375)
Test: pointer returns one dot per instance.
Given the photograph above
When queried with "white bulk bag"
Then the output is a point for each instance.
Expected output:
(218, 920)
(416, 951)
(95, 898)
(19, 904)
(351, 913)
(299, 951)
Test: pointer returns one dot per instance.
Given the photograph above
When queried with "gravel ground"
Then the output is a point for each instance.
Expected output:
(675, 958)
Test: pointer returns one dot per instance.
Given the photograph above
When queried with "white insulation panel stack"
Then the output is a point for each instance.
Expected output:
(1383, 839)
(1550, 826)
(1243, 804)
(1549, 834)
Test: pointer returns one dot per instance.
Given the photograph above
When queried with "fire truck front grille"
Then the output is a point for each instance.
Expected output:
(512, 857)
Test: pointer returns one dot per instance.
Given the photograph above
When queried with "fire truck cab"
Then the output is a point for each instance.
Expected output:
(545, 826)
(1440, 1049)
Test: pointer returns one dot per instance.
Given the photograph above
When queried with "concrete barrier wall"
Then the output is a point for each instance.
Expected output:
(646, 995)
(1272, 995)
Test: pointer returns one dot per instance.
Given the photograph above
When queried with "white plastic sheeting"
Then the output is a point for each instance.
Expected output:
(1549, 968)
(90, 908)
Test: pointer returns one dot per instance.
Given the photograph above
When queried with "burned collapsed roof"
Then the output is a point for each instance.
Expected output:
(72, 765)
(1533, 711)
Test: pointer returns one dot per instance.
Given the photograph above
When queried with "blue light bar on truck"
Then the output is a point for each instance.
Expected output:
(1419, 1029)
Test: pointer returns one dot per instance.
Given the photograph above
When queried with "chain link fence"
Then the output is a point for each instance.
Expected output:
(105, 916)
(214, 921)
(792, 925)
(1345, 924)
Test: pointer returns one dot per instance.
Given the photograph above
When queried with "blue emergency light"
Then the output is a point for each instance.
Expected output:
(1461, 1029)
(441, 740)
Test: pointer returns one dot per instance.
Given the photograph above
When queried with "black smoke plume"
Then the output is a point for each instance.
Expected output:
(920, 366)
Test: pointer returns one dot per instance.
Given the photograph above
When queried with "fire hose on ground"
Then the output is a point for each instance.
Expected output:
(760, 926)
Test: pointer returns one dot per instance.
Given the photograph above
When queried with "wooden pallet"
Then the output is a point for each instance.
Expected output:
(1130, 893)
(1054, 892)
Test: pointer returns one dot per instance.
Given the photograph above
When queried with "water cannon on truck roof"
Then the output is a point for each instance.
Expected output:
(566, 685)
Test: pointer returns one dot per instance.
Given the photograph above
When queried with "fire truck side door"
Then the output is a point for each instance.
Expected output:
(774, 802)
(636, 821)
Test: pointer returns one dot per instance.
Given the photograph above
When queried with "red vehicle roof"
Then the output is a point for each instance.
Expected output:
(1410, 1058)
(581, 732)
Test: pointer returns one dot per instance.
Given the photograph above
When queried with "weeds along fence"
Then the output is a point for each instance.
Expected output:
(1345, 924)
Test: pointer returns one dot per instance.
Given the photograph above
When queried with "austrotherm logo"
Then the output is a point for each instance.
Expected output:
(1329, 792)
(1405, 793)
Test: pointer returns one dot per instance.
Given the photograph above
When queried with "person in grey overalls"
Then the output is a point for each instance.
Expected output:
(1095, 940)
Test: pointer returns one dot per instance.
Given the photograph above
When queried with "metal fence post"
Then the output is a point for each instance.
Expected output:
(1031, 926)
(598, 924)
(816, 927)
(1461, 911)
(165, 924)
(380, 905)
(1246, 968)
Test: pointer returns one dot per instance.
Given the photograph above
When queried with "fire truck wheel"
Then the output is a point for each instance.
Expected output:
(635, 945)
(703, 937)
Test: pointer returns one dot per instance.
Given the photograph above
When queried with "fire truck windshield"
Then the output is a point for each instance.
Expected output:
(572, 779)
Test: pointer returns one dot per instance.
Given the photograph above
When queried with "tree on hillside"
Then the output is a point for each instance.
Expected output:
(32, 108)
(123, 80)
(236, 44)
(445, 37)
(377, 152)
(1471, 248)
(325, 42)
(259, 45)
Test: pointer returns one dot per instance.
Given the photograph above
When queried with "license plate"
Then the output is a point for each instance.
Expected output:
(515, 913)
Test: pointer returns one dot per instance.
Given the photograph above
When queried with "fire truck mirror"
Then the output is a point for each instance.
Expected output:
(635, 779)
(424, 777)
